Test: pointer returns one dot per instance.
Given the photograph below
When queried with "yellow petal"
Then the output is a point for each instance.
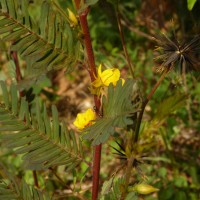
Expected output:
(99, 70)
(123, 81)
(90, 114)
(110, 76)
(97, 83)
(84, 119)
(79, 123)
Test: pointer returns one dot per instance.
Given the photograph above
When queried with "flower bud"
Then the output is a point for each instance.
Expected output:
(72, 17)
(144, 189)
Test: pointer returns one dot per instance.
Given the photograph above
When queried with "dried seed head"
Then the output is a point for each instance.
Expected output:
(185, 56)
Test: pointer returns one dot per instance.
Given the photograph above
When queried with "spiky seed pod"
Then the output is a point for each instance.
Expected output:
(183, 56)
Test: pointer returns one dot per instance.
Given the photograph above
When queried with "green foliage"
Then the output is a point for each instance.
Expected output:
(111, 189)
(12, 188)
(43, 143)
(170, 105)
(45, 38)
(49, 44)
(117, 109)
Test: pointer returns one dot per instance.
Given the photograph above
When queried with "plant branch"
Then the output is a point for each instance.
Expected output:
(124, 43)
(127, 176)
(145, 102)
(92, 73)
(126, 23)
(35, 179)
(17, 70)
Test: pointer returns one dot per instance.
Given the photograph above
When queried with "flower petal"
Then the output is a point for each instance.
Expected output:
(110, 76)
(97, 83)
(84, 119)
(99, 70)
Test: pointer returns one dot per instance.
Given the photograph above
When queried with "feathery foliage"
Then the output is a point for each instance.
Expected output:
(117, 109)
(44, 144)
(12, 188)
(50, 44)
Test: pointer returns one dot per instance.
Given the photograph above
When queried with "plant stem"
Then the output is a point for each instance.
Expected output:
(35, 179)
(127, 176)
(96, 171)
(17, 70)
(124, 43)
(185, 87)
(145, 102)
(93, 73)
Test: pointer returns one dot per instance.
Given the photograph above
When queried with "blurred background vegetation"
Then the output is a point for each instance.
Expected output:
(175, 164)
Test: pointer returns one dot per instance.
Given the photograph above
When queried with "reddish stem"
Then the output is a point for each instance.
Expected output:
(96, 171)
(88, 44)
(16, 61)
(77, 3)
(35, 178)
(93, 73)
(17, 70)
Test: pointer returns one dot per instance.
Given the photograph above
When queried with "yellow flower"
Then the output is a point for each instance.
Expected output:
(85, 119)
(104, 79)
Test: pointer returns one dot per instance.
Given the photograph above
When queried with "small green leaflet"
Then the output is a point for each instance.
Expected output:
(117, 110)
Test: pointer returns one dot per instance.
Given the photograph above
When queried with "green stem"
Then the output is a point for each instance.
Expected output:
(93, 73)
(145, 102)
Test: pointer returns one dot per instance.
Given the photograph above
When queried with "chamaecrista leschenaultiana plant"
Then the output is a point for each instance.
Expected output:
(61, 39)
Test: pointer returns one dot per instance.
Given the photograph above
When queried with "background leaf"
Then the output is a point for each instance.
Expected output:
(190, 4)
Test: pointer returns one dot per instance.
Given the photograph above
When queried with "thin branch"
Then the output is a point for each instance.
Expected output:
(127, 176)
(137, 129)
(124, 43)
(16, 61)
(35, 179)
(185, 87)
(126, 23)
(77, 4)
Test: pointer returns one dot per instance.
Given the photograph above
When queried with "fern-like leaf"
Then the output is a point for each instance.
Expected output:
(50, 45)
(117, 111)
(12, 188)
(44, 144)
